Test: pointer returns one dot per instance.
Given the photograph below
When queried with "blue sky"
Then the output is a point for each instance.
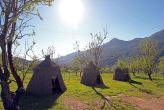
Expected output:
(125, 19)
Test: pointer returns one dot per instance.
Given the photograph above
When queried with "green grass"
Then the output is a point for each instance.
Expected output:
(85, 94)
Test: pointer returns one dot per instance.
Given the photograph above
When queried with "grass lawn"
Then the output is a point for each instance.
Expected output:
(80, 95)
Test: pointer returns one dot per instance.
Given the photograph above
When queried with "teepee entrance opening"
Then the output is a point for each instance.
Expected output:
(98, 80)
(55, 86)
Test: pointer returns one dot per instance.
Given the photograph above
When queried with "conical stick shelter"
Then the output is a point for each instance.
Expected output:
(47, 79)
(121, 75)
(91, 76)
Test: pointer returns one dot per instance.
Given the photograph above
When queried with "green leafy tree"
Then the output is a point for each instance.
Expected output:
(75, 65)
(132, 65)
(81, 57)
(122, 63)
(135, 65)
(161, 65)
(149, 54)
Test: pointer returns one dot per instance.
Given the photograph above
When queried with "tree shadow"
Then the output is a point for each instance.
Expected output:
(132, 82)
(101, 86)
(141, 89)
(133, 85)
(105, 100)
(29, 102)
(135, 82)
(146, 78)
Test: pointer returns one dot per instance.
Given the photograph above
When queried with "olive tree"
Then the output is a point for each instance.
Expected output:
(81, 57)
(93, 51)
(14, 21)
(74, 65)
(95, 48)
(149, 53)
(122, 63)
(135, 64)
(161, 65)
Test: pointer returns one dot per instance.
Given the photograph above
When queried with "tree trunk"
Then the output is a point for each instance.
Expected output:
(6, 95)
(20, 91)
(134, 74)
(10, 100)
(13, 71)
(80, 73)
(4, 58)
(149, 74)
(4, 76)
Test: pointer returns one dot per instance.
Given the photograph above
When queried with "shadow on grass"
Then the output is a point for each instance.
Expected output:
(141, 89)
(102, 86)
(135, 82)
(105, 100)
(147, 78)
(132, 82)
(111, 104)
(98, 86)
(28, 102)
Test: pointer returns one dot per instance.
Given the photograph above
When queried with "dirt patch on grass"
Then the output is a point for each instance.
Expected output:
(75, 104)
(150, 104)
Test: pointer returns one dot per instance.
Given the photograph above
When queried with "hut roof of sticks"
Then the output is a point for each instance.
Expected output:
(47, 79)
(121, 74)
(91, 76)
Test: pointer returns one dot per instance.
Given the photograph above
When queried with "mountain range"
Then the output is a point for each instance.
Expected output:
(120, 49)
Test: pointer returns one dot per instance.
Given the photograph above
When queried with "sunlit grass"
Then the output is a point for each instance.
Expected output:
(84, 93)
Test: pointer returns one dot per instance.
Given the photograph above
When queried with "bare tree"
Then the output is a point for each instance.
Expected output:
(96, 47)
(29, 53)
(14, 20)
(81, 57)
(93, 51)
